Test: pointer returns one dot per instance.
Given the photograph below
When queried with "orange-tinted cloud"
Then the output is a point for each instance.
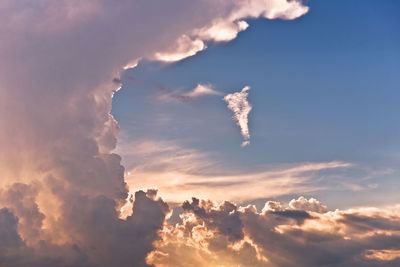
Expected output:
(225, 234)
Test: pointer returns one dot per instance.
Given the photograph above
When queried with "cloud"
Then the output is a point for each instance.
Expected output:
(180, 173)
(222, 30)
(226, 234)
(183, 48)
(228, 24)
(308, 205)
(237, 102)
(201, 90)
(382, 255)
(11, 242)
(62, 187)
(167, 94)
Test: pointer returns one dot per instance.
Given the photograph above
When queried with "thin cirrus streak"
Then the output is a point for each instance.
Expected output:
(179, 173)
(167, 94)
(178, 183)
(237, 102)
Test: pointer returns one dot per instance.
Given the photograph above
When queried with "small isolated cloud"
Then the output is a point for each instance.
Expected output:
(237, 102)
(201, 90)
(167, 94)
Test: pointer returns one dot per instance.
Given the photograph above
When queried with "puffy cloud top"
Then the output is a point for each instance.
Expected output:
(225, 234)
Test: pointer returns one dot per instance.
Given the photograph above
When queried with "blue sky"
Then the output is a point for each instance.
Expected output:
(324, 87)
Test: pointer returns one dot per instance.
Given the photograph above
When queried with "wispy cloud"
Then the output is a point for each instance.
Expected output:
(167, 94)
(201, 90)
(180, 173)
(237, 102)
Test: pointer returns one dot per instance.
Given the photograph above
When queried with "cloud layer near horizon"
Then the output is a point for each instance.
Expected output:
(302, 233)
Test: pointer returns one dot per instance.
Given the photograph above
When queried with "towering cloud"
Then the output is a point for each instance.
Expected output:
(237, 102)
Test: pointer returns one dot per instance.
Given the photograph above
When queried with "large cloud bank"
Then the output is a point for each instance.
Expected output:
(302, 233)
(61, 187)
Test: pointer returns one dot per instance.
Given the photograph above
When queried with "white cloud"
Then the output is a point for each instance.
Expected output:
(132, 64)
(184, 47)
(222, 30)
(229, 23)
(200, 90)
(237, 102)
(166, 94)
(308, 205)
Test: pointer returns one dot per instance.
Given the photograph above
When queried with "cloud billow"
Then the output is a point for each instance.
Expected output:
(212, 234)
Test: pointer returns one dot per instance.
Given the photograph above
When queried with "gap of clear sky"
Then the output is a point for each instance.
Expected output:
(324, 87)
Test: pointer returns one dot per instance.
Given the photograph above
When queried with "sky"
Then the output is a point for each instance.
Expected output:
(199, 133)
(323, 89)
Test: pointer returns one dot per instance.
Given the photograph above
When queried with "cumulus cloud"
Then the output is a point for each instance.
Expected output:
(226, 234)
(237, 102)
(307, 204)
